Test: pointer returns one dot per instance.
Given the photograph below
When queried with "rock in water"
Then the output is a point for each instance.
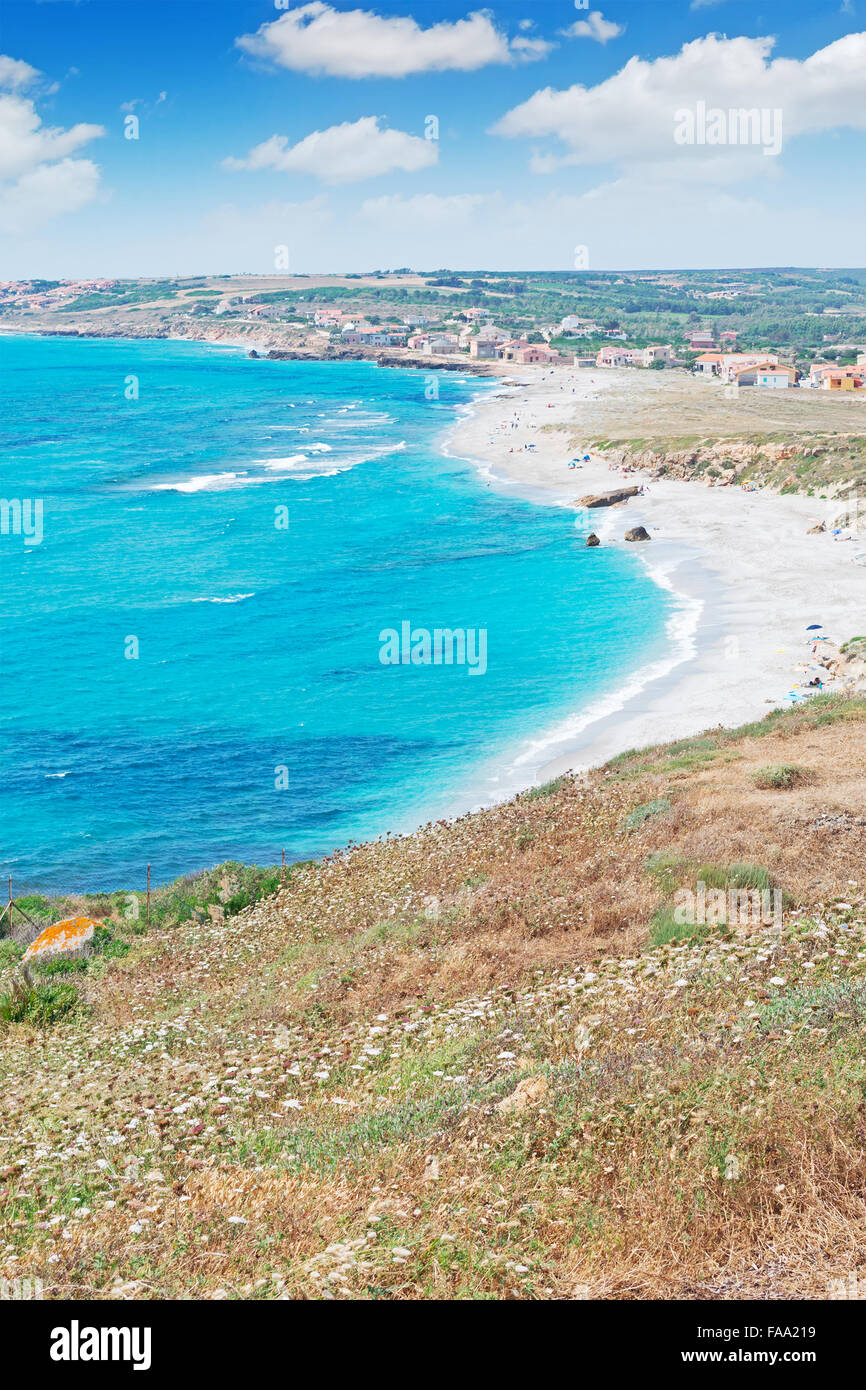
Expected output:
(638, 533)
(592, 539)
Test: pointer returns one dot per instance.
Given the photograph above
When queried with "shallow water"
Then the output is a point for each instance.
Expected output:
(256, 652)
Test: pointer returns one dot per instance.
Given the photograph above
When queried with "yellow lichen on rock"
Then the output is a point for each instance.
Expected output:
(61, 938)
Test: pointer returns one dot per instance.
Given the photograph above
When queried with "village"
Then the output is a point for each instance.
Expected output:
(258, 311)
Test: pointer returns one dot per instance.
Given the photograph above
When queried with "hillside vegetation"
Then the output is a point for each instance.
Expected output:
(820, 464)
(483, 1061)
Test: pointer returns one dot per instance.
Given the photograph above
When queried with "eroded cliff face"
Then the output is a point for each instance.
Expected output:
(822, 465)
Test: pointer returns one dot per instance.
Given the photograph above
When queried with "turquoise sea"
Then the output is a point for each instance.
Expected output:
(189, 656)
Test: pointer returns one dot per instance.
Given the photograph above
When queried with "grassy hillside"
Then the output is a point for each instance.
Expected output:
(482, 1061)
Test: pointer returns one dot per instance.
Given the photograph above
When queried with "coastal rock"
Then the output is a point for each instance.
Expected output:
(68, 937)
(816, 530)
(592, 539)
(638, 533)
(715, 462)
(607, 499)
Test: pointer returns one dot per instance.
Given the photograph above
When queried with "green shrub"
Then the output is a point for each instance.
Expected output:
(733, 876)
(10, 952)
(780, 776)
(664, 928)
(231, 886)
(640, 814)
(665, 867)
(39, 1004)
(546, 788)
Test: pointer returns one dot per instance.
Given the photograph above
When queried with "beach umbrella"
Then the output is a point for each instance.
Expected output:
(61, 938)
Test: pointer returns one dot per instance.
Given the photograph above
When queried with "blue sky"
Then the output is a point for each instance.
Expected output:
(555, 132)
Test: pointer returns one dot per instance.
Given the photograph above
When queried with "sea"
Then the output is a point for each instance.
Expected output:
(205, 563)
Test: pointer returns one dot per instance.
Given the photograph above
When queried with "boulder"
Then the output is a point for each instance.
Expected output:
(592, 539)
(607, 499)
(638, 533)
(69, 937)
(816, 530)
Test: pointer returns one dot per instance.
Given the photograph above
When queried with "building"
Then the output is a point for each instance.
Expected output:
(730, 365)
(767, 374)
(701, 341)
(828, 376)
(776, 378)
(440, 344)
(483, 347)
(616, 356)
(354, 333)
(708, 364)
(384, 338)
(656, 352)
(529, 354)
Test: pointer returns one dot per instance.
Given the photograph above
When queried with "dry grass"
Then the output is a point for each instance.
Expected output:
(306, 1099)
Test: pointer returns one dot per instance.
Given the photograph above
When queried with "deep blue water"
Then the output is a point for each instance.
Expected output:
(258, 646)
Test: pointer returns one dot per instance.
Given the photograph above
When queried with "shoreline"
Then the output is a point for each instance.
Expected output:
(740, 564)
(730, 655)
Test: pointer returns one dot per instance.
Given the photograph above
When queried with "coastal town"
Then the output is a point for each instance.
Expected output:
(485, 323)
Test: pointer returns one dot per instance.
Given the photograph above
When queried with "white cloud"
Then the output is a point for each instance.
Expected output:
(702, 226)
(45, 192)
(318, 39)
(596, 27)
(38, 179)
(25, 142)
(528, 50)
(16, 75)
(629, 119)
(346, 153)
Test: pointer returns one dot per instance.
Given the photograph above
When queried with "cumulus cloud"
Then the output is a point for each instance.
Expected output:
(629, 119)
(38, 178)
(16, 75)
(318, 39)
(346, 153)
(595, 27)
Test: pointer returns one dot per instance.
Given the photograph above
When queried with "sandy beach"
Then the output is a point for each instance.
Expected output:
(745, 577)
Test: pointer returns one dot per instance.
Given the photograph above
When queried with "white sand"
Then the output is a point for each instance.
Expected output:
(747, 578)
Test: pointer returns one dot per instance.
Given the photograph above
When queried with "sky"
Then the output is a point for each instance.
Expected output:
(185, 137)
